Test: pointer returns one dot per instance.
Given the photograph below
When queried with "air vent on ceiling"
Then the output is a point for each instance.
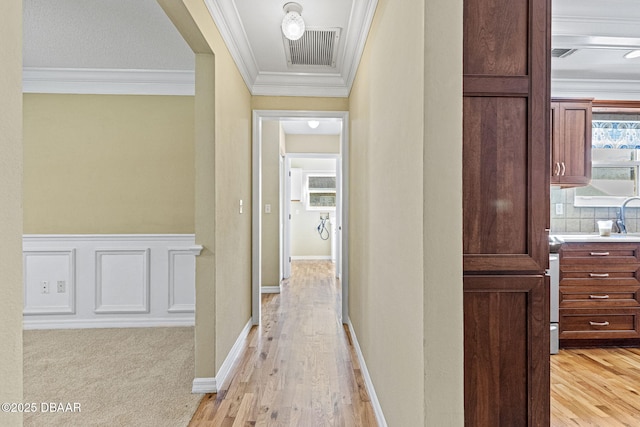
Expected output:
(561, 52)
(317, 47)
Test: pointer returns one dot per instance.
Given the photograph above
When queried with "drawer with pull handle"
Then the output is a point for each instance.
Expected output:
(599, 323)
(600, 274)
(595, 253)
(601, 297)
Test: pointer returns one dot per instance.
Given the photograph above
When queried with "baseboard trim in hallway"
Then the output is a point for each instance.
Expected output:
(377, 409)
(211, 385)
(270, 289)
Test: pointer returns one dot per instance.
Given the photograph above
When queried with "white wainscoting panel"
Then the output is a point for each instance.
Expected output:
(122, 281)
(182, 281)
(109, 281)
(52, 267)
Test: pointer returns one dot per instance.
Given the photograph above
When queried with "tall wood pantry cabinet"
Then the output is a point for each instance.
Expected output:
(506, 177)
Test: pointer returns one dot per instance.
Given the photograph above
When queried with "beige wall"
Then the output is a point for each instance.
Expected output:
(11, 211)
(231, 305)
(312, 144)
(394, 199)
(108, 164)
(271, 195)
(442, 177)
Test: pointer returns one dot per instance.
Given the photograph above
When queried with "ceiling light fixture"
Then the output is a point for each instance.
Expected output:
(632, 54)
(313, 124)
(292, 23)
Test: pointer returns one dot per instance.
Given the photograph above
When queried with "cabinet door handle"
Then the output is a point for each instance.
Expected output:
(599, 253)
(556, 169)
(564, 169)
(598, 274)
(599, 296)
(599, 323)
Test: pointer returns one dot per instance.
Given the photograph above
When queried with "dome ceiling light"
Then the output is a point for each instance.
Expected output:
(292, 23)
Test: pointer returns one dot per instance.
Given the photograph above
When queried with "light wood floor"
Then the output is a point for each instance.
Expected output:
(596, 387)
(299, 367)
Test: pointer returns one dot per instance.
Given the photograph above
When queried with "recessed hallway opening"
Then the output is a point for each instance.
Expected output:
(298, 366)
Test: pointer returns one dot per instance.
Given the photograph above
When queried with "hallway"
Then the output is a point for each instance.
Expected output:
(299, 367)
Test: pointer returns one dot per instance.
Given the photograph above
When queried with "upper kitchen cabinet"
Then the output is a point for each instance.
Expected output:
(571, 142)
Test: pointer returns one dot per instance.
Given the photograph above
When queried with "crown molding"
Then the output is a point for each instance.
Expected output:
(108, 81)
(596, 88)
(226, 17)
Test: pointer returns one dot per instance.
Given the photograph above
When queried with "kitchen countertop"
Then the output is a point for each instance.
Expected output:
(595, 238)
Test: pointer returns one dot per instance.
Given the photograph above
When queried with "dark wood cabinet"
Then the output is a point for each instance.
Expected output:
(571, 142)
(599, 294)
(506, 151)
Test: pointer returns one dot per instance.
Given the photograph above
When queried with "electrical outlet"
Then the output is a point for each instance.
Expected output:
(44, 287)
(62, 286)
(559, 209)
(267, 208)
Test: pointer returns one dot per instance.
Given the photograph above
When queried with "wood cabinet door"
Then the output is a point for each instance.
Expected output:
(506, 351)
(506, 176)
(506, 135)
(575, 143)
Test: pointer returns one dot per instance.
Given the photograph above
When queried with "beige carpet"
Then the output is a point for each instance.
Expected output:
(120, 377)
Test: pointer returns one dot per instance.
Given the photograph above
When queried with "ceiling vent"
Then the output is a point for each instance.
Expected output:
(316, 48)
(562, 52)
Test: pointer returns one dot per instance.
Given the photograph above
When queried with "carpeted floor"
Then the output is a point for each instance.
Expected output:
(119, 377)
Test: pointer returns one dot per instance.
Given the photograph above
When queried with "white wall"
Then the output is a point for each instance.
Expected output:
(305, 239)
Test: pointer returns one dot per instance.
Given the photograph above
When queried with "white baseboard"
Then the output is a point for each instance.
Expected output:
(311, 257)
(377, 409)
(270, 289)
(204, 385)
(32, 324)
(211, 385)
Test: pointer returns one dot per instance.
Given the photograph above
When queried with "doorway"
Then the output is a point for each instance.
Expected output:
(261, 120)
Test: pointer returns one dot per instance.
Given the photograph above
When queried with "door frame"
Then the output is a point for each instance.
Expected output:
(256, 200)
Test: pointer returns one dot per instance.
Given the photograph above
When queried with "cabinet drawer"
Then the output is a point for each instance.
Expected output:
(599, 253)
(599, 323)
(599, 296)
(601, 275)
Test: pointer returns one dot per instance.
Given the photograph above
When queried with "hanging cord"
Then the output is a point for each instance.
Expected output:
(323, 231)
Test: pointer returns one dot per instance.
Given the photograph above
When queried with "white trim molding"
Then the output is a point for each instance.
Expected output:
(108, 81)
(310, 257)
(124, 275)
(111, 322)
(270, 289)
(596, 88)
(213, 385)
(204, 385)
(377, 409)
(338, 84)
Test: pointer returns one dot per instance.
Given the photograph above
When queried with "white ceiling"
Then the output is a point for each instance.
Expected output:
(301, 127)
(602, 32)
(126, 45)
(102, 34)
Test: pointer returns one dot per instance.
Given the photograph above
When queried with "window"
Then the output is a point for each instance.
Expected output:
(320, 191)
(615, 156)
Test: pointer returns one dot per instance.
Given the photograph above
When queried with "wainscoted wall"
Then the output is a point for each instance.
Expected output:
(95, 281)
(584, 220)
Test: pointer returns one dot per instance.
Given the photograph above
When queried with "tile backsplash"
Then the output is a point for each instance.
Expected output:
(584, 220)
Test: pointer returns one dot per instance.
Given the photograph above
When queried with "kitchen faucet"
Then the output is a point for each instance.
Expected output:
(622, 228)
